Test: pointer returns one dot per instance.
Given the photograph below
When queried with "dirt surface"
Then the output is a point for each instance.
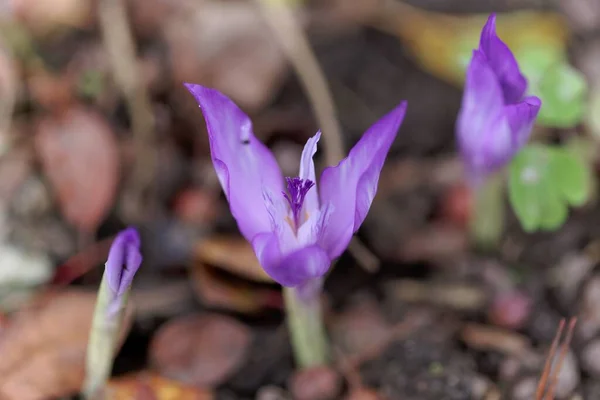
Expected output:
(436, 320)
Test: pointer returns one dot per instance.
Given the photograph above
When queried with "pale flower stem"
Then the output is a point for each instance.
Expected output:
(307, 332)
(487, 221)
(102, 343)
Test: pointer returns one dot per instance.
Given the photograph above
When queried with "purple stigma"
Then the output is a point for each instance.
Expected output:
(297, 189)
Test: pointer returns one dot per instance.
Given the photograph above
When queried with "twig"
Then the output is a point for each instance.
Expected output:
(548, 364)
(280, 16)
(120, 46)
(295, 44)
(8, 100)
(549, 367)
(563, 354)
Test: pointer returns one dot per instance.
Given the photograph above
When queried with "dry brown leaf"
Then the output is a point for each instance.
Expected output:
(81, 159)
(355, 329)
(53, 91)
(47, 16)
(148, 385)
(43, 347)
(232, 254)
(228, 46)
(218, 292)
(487, 337)
(201, 350)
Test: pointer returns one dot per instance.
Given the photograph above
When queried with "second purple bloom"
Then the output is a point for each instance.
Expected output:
(495, 120)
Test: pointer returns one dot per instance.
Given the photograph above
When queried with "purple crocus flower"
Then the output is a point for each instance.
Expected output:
(123, 261)
(495, 120)
(295, 229)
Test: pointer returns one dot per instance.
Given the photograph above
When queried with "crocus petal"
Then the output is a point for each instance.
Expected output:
(244, 165)
(482, 108)
(123, 261)
(292, 269)
(521, 117)
(280, 224)
(351, 185)
(503, 62)
(312, 231)
(307, 171)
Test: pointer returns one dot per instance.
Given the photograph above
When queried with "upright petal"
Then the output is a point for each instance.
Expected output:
(481, 115)
(307, 171)
(351, 185)
(503, 62)
(291, 269)
(521, 117)
(244, 165)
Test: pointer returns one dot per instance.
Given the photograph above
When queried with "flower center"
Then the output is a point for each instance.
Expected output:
(297, 189)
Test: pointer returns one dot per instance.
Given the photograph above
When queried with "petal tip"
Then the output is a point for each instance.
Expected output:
(130, 235)
(397, 114)
(534, 101)
(192, 87)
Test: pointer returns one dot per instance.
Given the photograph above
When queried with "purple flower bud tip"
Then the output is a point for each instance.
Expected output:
(495, 120)
(124, 259)
(296, 230)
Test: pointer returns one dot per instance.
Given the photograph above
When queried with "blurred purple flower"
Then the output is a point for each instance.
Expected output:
(124, 259)
(494, 121)
(295, 230)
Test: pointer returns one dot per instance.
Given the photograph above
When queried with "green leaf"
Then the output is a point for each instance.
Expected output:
(524, 181)
(571, 176)
(563, 91)
(554, 210)
(535, 60)
(543, 181)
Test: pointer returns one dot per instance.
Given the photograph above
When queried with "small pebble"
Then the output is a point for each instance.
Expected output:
(590, 358)
(272, 393)
(510, 310)
(524, 389)
(569, 375)
(588, 323)
(316, 383)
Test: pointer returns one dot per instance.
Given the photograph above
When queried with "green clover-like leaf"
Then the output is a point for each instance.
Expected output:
(570, 174)
(563, 91)
(543, 182)
(535, 60)
(525, 182)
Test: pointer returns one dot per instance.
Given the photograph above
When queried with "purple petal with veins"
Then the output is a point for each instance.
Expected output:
(297, 234)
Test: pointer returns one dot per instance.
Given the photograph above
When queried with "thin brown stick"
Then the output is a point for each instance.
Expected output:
(120, 46)
(551, 371)
(563, 354)
(548, 364)
(8, 98)
(280, 16)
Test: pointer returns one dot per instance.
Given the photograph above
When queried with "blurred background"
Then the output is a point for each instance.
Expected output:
(97, 133)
